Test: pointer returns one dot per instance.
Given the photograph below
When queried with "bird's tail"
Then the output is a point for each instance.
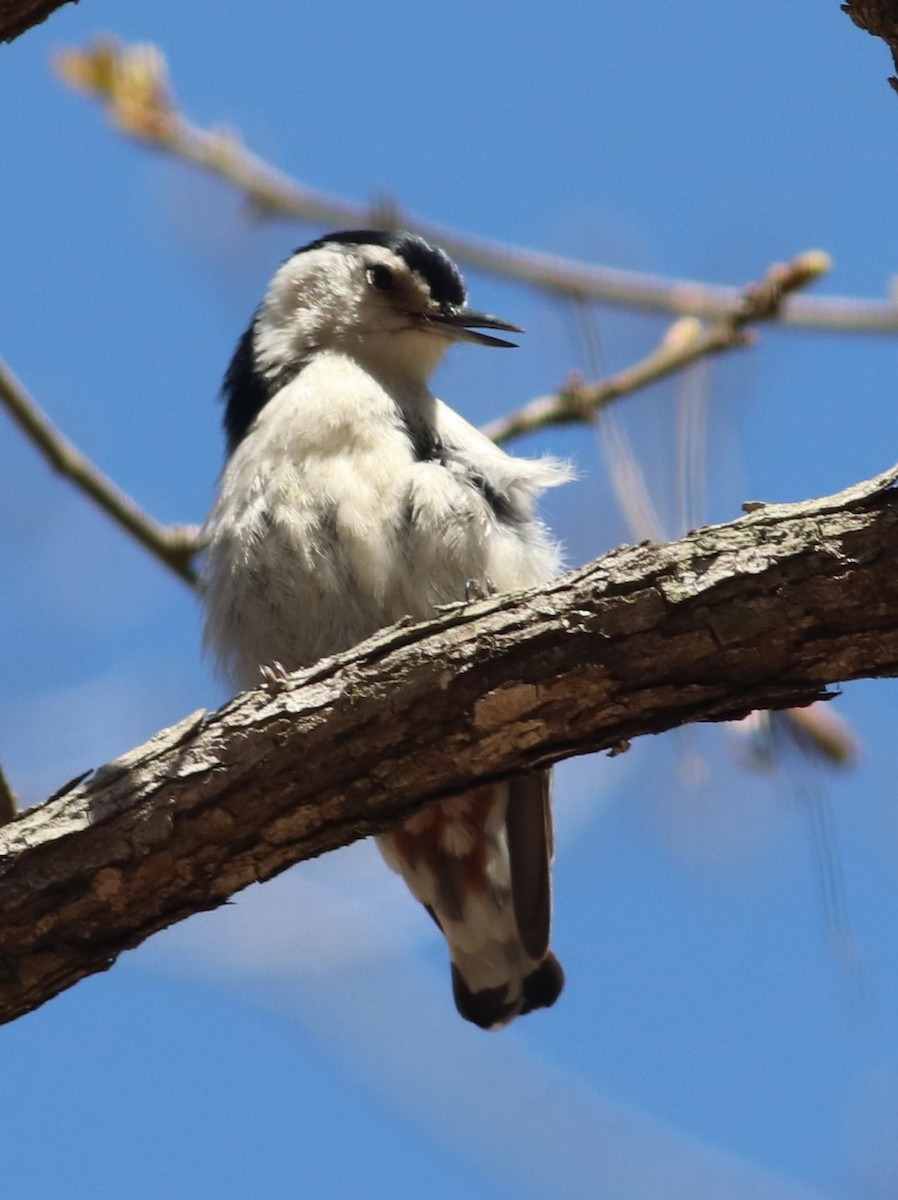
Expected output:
(480, 864)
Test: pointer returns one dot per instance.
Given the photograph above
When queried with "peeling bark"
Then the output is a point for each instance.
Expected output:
(762, 613)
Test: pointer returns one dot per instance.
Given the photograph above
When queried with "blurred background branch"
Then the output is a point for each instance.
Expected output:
(686, 342)
(173, 546)
(133, 85)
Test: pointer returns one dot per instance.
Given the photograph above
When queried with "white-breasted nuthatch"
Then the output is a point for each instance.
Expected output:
(352, 498)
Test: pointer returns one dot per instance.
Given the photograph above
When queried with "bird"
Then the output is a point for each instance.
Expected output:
(352, 498)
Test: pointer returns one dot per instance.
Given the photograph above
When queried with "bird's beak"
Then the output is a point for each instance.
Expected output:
(463, 325)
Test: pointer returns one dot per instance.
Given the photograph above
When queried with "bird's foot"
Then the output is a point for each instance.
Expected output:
(275, 677)
(475, 589)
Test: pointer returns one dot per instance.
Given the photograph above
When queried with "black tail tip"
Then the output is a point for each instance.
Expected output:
(543, 986)
(491, 1009)
(488, 1008)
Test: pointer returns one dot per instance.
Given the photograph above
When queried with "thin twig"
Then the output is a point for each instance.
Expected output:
(880, 18)
(687, 341)
(132, 83)
(175, 546)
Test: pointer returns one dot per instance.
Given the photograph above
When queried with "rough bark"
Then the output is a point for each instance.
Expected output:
(764, 612)
(18, 15)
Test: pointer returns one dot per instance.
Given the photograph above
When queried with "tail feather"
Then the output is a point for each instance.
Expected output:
(480, 864)
(491, 1008)
(543, 986)
(528, 828)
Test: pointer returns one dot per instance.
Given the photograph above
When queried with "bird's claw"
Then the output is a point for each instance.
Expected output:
(475, 589)
(275, 677)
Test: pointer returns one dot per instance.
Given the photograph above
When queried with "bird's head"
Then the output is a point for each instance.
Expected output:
(390, 300)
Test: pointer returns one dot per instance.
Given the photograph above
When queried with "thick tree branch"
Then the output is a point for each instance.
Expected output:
(764, 612)
(132, 83)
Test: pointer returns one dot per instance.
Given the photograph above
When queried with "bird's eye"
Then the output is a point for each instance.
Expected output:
(381, 277)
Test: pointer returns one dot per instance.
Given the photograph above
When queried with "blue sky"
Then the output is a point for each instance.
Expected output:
(719, 1034)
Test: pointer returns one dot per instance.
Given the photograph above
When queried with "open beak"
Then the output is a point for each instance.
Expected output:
(463, 325)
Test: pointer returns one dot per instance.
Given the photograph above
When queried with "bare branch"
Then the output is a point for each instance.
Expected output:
(18, 15)
(132, 83)
(880, 18)
(763, 612)
(175, 546)
(685, 343)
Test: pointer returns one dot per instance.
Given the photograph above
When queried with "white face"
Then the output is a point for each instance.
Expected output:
(359, 300)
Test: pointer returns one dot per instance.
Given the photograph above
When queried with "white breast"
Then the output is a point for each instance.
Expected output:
(328, 528)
